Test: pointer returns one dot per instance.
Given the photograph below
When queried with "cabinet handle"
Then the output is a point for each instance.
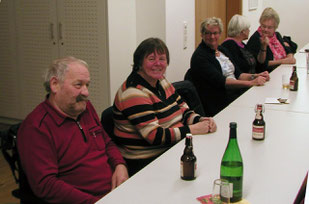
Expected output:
(60, 31)
(52, 31)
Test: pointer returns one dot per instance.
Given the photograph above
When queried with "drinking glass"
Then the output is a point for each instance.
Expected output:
(307, 60)
(221, 192)
(285, 81)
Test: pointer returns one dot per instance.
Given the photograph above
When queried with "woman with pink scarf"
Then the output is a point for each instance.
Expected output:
(277, 52)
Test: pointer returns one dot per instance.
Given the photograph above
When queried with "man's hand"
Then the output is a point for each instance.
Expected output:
(120, 175)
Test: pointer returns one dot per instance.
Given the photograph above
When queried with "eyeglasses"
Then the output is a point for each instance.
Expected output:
(210, 33)
(268, 27)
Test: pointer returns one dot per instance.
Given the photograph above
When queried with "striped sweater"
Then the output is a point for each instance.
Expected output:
(149, 120)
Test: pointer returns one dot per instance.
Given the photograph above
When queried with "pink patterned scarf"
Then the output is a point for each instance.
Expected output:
(275, 46)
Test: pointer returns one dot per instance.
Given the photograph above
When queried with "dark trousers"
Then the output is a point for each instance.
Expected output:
(134, 165)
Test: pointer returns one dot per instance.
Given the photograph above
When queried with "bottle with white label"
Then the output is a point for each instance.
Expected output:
(258, 126)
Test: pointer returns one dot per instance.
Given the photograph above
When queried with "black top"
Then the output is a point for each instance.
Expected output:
(244, 59)
(206, 74)
(254, 46)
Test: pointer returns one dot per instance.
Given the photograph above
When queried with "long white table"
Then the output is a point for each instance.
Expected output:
(273, 169)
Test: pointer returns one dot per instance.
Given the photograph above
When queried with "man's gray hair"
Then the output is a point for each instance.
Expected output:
(236, 25)
(58, 68)
(213, 21)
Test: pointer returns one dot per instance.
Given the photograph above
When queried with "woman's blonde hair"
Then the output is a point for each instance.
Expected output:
(270, 13)
(213, 21)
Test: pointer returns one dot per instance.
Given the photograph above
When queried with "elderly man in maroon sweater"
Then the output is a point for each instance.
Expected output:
(65, 153)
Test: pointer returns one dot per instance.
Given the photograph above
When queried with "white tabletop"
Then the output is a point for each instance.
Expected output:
(299, 100)
(273, 168)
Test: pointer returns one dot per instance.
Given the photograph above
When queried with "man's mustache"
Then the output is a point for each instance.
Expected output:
(81, 98)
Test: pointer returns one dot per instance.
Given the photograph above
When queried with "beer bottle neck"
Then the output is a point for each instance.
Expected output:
(258, 115)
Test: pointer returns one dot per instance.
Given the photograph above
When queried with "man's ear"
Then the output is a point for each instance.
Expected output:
(54, 84)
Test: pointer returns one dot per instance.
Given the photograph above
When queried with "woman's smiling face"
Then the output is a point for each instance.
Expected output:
(153, 67)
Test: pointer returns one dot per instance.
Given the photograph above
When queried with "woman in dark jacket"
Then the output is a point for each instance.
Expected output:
(238, 31)
(277, 52)
(217, 79)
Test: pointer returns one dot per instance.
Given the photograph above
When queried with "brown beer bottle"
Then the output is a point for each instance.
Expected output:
(188, 161)
(258, 126)
(294, 80)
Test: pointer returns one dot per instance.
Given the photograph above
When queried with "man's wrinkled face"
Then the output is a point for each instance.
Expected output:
(72, 93)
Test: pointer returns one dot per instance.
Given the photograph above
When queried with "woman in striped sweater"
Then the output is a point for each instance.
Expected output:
(149, 115)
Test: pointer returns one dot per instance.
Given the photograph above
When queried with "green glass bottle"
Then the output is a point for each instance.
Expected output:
(232, 165)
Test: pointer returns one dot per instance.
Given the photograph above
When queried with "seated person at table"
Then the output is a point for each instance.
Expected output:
(149, 115)
(217, 79)
(65, 153)
(238, 30)
(277, 52)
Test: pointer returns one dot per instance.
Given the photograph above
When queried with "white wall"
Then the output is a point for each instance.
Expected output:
(150, 20)
(178, 11)
(122, 41)
(130, 22)
(253, 15)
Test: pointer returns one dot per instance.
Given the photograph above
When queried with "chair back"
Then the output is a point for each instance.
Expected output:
(189, 94)
(11, 155)
(188, 75)
(108, 122)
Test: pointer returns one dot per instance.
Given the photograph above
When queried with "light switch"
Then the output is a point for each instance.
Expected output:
(185, 35)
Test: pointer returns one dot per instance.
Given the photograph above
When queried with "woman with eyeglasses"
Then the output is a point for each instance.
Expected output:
(216, 77)
(277, 52)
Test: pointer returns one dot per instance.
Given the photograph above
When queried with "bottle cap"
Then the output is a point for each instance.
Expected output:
(259, 107)
(233, 125)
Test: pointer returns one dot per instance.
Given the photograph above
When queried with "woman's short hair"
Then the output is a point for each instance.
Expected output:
(58, 68)
(270, 13)
(145, 48)
(213, 21)
(236, 25)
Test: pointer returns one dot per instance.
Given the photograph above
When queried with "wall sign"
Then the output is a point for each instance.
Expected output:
(253, 4)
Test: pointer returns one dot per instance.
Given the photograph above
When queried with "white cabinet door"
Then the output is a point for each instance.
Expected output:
(83, 34)
(35, 32)
(37, 46)
(9, 80)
